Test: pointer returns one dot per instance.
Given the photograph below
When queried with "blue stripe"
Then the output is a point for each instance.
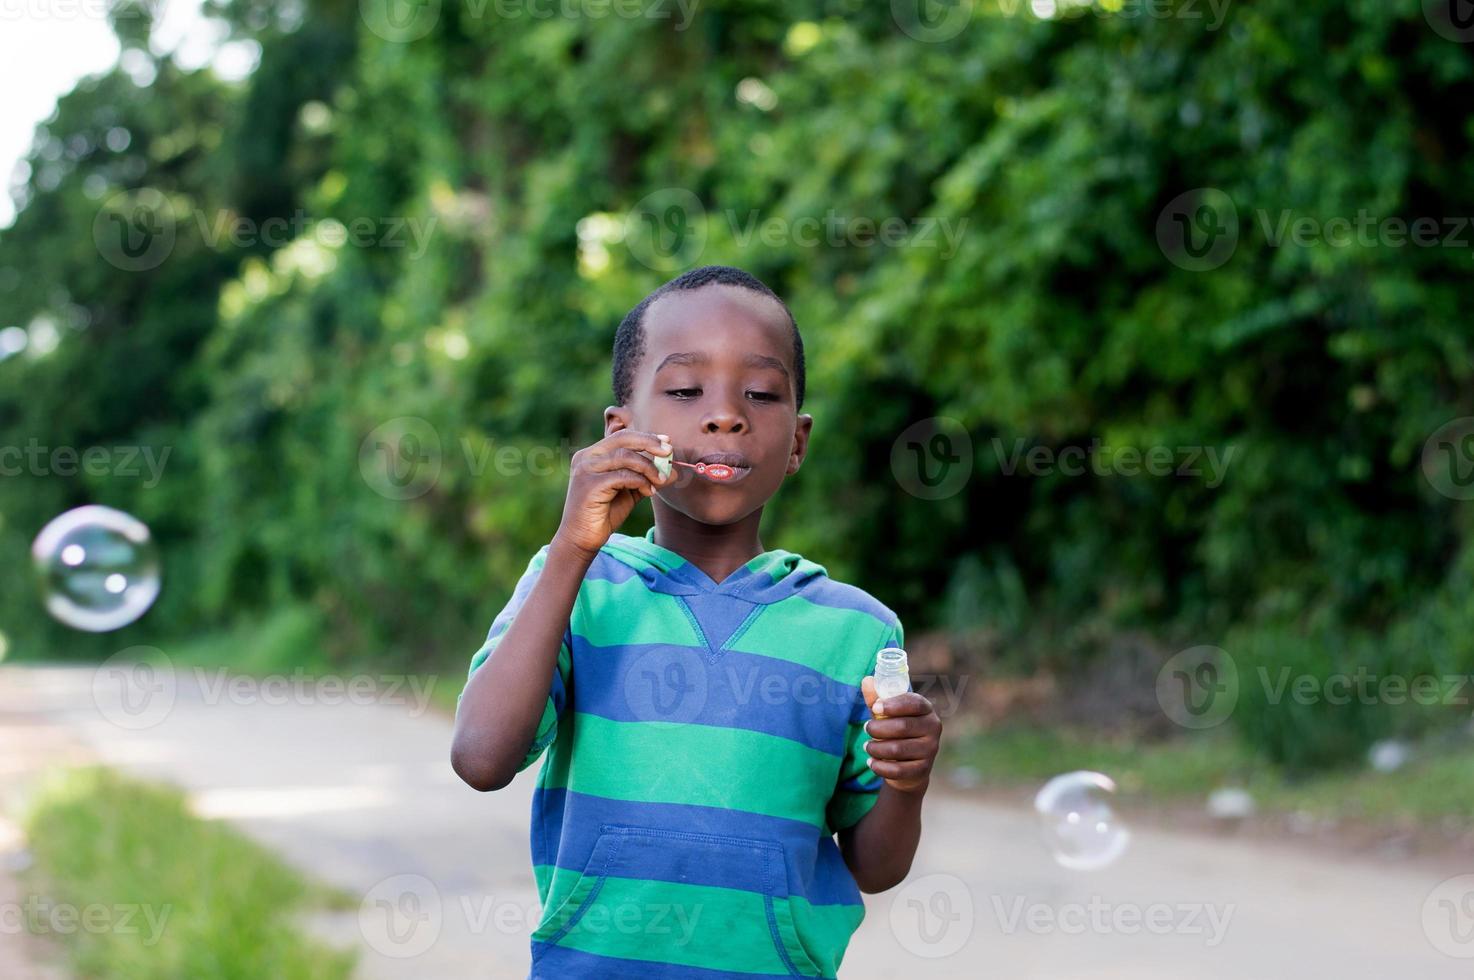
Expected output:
(816, 871)
(670, 682)
(562, 963)
(608, 568)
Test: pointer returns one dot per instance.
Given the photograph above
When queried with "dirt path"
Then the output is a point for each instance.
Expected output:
(361, 794)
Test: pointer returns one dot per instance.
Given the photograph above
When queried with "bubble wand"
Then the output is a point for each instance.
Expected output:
(714, 471)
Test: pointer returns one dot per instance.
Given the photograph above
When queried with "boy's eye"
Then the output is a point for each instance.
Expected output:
(684, 392)
(764, 396)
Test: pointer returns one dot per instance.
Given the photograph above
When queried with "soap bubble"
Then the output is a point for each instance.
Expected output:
(99, 568)
(1389, 755)
(1081, 829)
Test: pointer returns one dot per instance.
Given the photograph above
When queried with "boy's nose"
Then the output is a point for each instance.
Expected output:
(725, 421)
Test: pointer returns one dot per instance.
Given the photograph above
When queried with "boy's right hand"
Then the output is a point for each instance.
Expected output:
(607, 480)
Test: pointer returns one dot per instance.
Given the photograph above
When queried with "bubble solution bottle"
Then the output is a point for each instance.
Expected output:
(892, 676)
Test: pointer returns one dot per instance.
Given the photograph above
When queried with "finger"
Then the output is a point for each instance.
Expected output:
(893, 728)
(867, 689)
(630, 439)
(901, 749)
(612, 483)
(902, 705)
(626, 459)
(899, 770)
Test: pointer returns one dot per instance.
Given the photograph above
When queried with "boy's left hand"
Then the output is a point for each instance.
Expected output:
(903, 743)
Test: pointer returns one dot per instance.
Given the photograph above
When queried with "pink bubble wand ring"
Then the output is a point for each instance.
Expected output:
(715, 471)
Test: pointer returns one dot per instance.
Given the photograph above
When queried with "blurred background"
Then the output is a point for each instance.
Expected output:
(1140, 358)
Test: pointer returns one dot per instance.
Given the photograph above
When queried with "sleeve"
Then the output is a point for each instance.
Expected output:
(547, 726)
(858, 787)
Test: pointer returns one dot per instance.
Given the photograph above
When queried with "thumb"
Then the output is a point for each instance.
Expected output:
(867, 688)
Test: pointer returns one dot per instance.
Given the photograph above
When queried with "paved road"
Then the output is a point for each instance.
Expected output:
(357, 791)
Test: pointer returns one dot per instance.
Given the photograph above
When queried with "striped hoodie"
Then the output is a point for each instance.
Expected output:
(703, 745)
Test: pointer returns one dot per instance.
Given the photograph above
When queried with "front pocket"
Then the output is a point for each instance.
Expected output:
(683, 898)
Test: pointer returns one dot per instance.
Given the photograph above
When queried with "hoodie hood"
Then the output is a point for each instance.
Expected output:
(769, 577)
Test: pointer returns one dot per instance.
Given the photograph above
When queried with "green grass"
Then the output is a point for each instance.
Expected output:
(1432, 788)
(210, 902)
(289, 640)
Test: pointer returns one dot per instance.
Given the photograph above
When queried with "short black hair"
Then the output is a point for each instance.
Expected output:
(629, 339)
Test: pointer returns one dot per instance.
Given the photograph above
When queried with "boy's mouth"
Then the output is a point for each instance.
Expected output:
(725, 467)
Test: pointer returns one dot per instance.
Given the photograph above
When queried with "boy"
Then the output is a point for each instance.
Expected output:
(704, 701)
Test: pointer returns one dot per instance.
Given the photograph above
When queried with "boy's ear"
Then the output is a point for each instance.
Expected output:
(616, 417)
(800, 449)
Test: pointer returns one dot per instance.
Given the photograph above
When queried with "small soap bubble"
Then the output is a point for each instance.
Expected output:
(99, 568)
(1080, 828)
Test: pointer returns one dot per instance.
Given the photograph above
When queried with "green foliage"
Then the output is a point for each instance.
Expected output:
(207, 902)
(1052, 318)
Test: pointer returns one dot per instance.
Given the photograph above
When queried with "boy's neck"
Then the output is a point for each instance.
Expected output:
(716, 549)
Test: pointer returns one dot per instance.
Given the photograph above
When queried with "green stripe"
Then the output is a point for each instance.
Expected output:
(838, 643)
(686, 925)
(701, 765)
(614, 613)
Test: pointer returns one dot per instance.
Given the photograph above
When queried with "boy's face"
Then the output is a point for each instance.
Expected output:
(717, 377)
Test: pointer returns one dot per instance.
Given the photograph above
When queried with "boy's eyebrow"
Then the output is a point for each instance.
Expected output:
(763, 360)
(696, 357)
